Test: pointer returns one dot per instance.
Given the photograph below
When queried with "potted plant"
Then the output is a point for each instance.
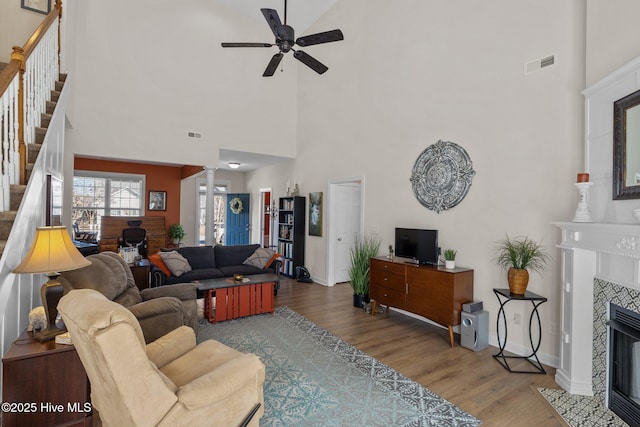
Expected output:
(360, 252)
(450, 258)
(176, 233)
(517, 257)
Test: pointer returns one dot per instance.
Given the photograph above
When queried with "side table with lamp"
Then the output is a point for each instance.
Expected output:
(52, 251)
(46, 378)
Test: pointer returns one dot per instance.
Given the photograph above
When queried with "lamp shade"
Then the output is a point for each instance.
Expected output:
(52, 251)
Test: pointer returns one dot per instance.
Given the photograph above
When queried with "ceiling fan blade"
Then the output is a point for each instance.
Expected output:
(273, 65)
(310, 61)
(225, 44)
(326, 37)
(275, 24)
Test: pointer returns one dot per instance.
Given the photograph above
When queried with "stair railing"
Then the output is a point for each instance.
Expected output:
(25, 87)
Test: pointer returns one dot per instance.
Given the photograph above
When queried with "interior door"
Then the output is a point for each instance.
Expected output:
(238, 226)
(265, 218)
(348, 226)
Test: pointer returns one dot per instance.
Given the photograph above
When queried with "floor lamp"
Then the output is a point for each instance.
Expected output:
(51, 252)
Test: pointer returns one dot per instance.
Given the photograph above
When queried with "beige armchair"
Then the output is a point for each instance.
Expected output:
(169, 382)
(159, 310)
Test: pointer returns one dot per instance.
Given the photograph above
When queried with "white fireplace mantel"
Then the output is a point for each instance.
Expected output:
(607, 251)
(617, 246)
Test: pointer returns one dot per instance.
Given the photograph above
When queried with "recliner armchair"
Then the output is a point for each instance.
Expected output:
(169, 382)
(159, 310)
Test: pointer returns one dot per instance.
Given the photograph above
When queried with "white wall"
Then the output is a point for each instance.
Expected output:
(16, 26)
(162, 73)
(612, 36)
(412, 72)
(613, 70)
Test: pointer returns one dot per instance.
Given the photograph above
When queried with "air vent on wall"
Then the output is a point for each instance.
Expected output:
(195, 135)
(539, 64)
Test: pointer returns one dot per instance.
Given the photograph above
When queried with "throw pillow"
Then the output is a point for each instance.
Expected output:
(175, 262)
(273, 258)
(260, 257)
(156, 260)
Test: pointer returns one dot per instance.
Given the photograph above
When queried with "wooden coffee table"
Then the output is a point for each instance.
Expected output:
(254, 295)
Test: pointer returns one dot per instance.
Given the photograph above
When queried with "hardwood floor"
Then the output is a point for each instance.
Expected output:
(474, 381)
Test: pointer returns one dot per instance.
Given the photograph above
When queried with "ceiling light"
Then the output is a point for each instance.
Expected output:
(234, 165)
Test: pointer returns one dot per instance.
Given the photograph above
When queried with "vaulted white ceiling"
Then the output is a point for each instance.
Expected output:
(301, 14)
(169, 54)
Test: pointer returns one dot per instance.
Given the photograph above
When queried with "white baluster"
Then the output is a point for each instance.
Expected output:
(4, 121)
(15, 143)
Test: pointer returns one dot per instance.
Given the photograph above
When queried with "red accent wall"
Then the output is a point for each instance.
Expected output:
(158, 178)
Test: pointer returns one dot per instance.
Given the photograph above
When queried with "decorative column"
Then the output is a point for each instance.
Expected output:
(210, 212)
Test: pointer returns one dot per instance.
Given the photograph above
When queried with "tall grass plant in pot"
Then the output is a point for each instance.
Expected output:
(360, 252)
(518, 256)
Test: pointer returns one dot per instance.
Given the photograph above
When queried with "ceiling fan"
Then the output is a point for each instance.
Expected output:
(285, 40)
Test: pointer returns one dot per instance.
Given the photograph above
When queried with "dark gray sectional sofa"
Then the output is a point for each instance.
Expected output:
(212, 262)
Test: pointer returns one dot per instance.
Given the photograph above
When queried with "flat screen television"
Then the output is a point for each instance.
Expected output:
(416, 244)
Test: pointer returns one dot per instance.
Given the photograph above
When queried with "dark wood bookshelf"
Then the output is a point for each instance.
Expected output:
(291, 229)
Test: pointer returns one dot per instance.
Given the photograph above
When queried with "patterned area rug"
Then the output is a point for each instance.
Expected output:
(316, 379)
(581, 411)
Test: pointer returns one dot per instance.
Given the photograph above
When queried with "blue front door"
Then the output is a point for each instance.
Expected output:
(238, 215)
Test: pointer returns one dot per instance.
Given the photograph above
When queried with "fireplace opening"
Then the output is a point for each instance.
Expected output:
(624, 364)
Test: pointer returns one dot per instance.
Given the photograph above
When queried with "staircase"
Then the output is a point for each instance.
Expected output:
(7, 218)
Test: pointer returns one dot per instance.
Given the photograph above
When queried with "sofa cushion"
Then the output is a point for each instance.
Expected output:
(260, 257)
(198, 256)
(243, 269)
(201, 274)
(175, 262)
(227, 256)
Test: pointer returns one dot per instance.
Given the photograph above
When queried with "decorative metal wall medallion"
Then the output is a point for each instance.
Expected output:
(442, 175)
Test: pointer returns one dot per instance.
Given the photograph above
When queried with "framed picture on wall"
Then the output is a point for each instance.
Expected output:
(53, 214)
(157, 200)
(315, 214)
(40, 6)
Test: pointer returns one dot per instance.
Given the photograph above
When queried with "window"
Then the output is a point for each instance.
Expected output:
(219, 208)
(96, 194)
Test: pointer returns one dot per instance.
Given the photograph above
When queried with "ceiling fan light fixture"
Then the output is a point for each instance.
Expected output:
(234, 165)
(285, 41)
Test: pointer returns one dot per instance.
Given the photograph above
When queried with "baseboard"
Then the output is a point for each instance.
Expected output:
(573, 387)
(319, 281)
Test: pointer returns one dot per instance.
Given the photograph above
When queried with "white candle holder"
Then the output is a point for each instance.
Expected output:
(583, 213)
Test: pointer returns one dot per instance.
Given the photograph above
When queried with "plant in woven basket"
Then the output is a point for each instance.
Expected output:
(518, 256)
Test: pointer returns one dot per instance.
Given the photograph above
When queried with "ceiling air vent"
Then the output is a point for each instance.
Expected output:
(539, 64)
(194, 135)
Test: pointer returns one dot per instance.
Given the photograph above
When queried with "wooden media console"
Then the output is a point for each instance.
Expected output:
(433, 292)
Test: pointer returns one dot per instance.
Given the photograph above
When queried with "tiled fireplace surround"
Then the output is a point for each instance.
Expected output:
(600, 265)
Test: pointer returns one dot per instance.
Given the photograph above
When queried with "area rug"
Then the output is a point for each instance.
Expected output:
(581, 411)
(314, 378)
